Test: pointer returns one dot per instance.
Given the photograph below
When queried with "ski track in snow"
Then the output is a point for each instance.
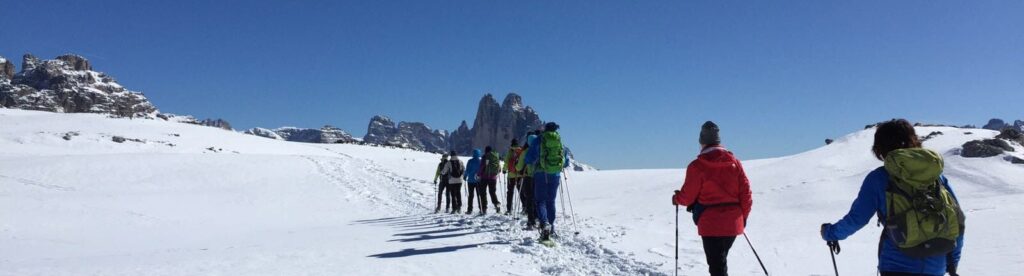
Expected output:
(574, 255)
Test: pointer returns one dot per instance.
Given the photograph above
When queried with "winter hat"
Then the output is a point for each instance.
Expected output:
(515, 142)
(709, 134)
(551, 126)
(488, 149)
(444, 156)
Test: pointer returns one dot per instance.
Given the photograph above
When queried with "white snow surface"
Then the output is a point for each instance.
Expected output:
(181, 199)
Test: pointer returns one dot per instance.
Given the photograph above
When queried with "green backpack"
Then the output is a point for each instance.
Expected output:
(551, 152)
(493, 164)
(922, 217)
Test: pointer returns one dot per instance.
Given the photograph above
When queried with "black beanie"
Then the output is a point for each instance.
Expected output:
(709, 134)
(551, 126)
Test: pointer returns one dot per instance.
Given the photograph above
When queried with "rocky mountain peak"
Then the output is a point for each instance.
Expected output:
(68, 84)
(75, 62)
(512, 101)
(415, 135)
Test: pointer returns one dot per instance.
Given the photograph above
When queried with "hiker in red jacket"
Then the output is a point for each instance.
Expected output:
(717, 192)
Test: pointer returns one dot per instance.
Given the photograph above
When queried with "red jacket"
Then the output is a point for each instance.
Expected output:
(716, 180)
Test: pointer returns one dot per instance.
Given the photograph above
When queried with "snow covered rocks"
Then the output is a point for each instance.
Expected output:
(67, 84)
(985, 148)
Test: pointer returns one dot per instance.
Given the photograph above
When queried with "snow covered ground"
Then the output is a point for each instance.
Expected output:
(180, 199)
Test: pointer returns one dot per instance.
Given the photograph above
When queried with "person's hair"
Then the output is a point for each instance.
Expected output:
(452, 153)
(893, 135)
(515, 142)
(487, 149)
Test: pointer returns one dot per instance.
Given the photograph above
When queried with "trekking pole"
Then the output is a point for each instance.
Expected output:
(677, 240)
(572, 211)
(833, 249)
(755, 254)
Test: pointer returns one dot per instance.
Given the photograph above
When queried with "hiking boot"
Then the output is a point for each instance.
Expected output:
(437, 210)
(497, 209)
(469, 212)
(531, 227)
(545, 232)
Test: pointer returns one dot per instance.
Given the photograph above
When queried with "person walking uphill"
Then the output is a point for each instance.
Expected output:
(454, 169)
(473, 181)
(717, 192)
(441, 194)
(490, 167)
(526, 192)
(548, 156)
(924, 225)
(514, 178)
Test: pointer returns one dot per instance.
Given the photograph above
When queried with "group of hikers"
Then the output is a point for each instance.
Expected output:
(533, 170)
(913, 201)
(922, 220)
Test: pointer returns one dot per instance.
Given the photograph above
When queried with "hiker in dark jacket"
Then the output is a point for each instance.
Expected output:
(717, 192)
(896, 143)
(441, 194)
(489, 180)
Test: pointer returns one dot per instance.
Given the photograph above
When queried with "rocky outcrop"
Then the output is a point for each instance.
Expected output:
(995, 124)
(217, 123)
(1012, 135)
(265, 133)
(327, 135)
(6, 69)
(68, 84)
(985, 148)
(383, 131)
(496, 125)
(461, 140)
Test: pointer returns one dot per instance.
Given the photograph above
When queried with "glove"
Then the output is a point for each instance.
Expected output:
(504, 172)
(435, 181)
(824, 226)
(951, 269)
(674, 195)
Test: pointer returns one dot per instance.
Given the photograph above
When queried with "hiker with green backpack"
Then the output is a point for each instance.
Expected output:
(923, 224)
(490, 167)
(548, 156)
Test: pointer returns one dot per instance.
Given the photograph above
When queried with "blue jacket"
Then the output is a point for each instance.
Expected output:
(871, 202)
(472, 166)
(533, 155)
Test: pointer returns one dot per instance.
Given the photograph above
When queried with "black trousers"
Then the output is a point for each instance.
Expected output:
(441, 194)
(716, 249)
(492, 187)
(455, 192)
(510, 193)
(529, 206)
(474, 190)
(901, 274)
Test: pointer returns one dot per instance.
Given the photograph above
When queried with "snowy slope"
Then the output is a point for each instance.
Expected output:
(180, 199)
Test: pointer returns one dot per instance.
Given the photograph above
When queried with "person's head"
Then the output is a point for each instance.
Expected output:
(515, 142)
(476, 153)
(487, 149)
(893, 135)
(709, 134)
(452, 154)
(444, 156)
(551, 126)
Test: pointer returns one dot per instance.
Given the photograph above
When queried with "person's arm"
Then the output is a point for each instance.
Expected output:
(746, 197)
(508, 162)
(447, 167)
(870, 197)
(691, 186)
(953, 258)
(521, 164)
(437, 173)
(566, 163)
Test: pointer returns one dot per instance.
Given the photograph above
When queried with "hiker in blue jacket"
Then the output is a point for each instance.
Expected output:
(547, 175)
(871, 201)
(472, 167)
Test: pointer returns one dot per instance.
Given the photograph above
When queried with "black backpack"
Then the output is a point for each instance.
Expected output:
(456, 170)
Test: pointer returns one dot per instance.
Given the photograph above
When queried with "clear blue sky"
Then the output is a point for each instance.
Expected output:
(629, 81)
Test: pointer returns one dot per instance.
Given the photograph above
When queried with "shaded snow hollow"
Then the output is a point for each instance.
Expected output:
(180, 199)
